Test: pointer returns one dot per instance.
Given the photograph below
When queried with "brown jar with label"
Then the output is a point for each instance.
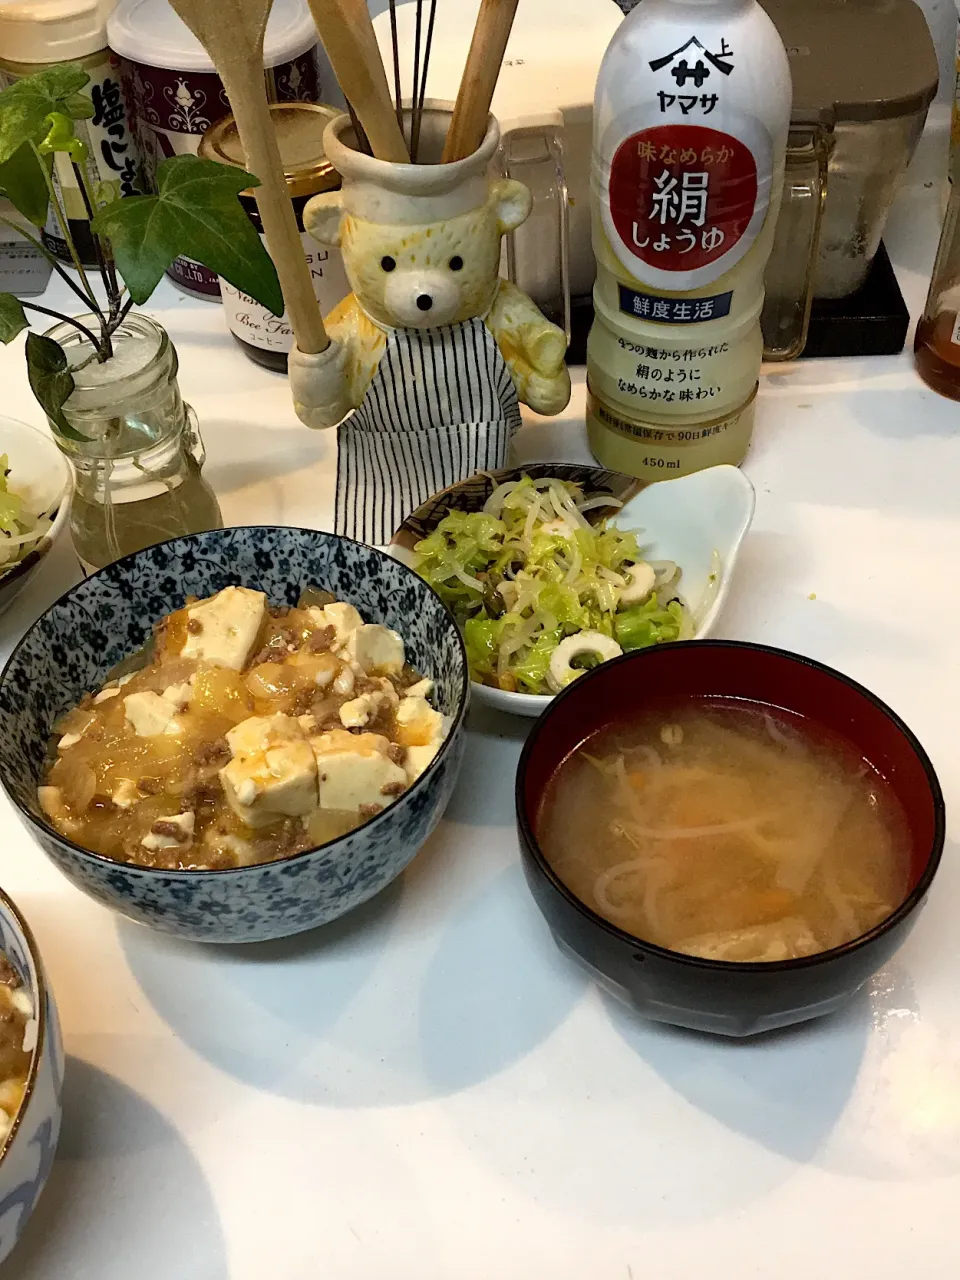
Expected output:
(264, 337)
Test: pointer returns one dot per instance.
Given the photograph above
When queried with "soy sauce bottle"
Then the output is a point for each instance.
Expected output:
(691, 120)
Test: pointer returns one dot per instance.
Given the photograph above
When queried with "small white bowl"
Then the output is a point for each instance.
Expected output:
(685, 520)
(41, 475)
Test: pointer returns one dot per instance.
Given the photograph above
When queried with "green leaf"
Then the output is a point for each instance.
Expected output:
(26, 104)
(23, 183)
(196, 212)
(78, 106)
(50, 380)
(12, 317)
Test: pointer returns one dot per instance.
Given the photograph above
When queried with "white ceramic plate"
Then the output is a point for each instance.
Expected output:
(685, 520)
(41, 475)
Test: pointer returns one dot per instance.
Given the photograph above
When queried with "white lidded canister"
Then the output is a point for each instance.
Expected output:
(691, 118)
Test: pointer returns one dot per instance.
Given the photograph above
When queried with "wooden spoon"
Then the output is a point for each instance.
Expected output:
(232, 33)
(480, 75)
(347, 33)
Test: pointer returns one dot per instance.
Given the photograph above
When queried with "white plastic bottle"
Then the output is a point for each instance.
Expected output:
(691, 117)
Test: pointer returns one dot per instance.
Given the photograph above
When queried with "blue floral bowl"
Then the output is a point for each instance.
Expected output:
(26, 1154)
(74, 645)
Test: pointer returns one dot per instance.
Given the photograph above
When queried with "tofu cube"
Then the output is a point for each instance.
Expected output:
(226, 627)
(422, 689)
(376, 649)
(273, 772)
(358, 713)
(150, 714)
(418, 725)
(418, 760)
(259, 733)
(342, 617)
(125, 794)
(179, 694)
(273, 784)
(354, 770)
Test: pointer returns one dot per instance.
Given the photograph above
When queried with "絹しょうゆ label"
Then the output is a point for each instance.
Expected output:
(684, 203)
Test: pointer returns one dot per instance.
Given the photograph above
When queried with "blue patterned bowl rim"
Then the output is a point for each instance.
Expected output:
(125, 562)
(40, 1012)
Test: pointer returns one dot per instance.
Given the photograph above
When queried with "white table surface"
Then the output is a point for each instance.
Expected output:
(427, 1090)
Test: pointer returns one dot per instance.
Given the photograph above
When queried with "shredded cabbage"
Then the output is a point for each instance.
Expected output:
(530, 570)
(19, 529)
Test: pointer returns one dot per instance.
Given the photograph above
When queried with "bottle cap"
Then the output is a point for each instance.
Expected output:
(49, 31)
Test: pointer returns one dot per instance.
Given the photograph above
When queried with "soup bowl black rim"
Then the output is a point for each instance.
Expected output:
(910, 903)
(463, 703)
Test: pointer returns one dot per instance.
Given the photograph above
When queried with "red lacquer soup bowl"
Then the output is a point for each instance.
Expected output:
(729, 998)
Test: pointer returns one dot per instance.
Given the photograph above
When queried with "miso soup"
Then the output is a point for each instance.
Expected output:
(728, 831)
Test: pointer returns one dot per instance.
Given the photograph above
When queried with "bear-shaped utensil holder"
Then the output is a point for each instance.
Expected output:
(432, 351)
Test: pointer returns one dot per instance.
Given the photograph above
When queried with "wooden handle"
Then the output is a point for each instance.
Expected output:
(351, 44)
(480, 75)
(232, 32)
(244, 89)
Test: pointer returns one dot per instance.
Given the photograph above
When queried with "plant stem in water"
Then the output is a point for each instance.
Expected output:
(35, 306)
(109, 283)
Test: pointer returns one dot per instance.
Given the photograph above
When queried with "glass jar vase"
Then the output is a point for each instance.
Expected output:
(137, 470)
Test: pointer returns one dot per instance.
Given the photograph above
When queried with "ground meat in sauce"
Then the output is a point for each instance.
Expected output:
(212, 752)
(172, 830)
(269, 653)
(321, 639)
(185, 777)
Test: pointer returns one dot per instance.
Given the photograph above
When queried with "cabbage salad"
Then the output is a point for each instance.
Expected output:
(20, 531)
(541, 593)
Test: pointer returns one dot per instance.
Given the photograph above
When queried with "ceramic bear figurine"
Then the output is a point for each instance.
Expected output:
(432, 349)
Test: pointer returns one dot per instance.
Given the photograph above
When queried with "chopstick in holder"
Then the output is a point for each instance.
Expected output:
(347, 33)
(480, 75)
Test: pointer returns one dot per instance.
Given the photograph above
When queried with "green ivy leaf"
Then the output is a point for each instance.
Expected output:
(26, 104)
(23, 183)
(50, 380)
(12, 317)
(78, 106)
(195, 212)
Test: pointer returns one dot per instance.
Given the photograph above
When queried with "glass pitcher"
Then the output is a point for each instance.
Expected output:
(791, 271)
(137, 471)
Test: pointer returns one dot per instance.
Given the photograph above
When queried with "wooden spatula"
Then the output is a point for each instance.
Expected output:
(232, 33)
(351, 44)
(480, 75)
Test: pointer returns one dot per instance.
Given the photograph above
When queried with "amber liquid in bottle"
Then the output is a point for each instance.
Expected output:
(938, 353)
(937, 345)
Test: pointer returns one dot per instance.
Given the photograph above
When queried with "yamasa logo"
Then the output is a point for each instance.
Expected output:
(682, 196)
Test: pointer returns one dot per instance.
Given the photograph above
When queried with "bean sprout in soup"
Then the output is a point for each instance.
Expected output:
(728, 832)
(17, 1029)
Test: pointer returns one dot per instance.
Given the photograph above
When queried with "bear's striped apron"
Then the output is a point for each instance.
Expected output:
(441, 406)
